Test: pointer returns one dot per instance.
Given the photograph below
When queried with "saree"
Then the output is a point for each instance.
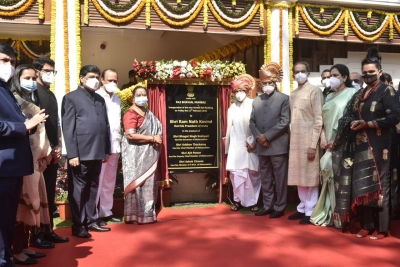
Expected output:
(364, 175)
(33, 207)
(139, 162)
(332, 111)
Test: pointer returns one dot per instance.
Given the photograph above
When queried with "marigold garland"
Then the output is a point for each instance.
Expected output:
(179, 9)
(261, 17)
(391, 27)
(29, 52)
(267, 42)
(291, 48)
(66, 46)
(41, 9)
(328, 32)
(232, 14)
(236, 25)
(280, 38)
(78, 37)
(176, 23)
(148, 7)
(18, 11)
(205, 14)
(365, 38)
(26, 52)
(85, 12)
(346, 24)
(53, 35)
(396, 24)
(11, 5)
(296, 22)
(120, 20)
(322, 22)
(366, 27)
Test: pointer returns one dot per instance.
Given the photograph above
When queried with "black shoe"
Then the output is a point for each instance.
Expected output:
(113, 219)
(81, 233)
(35, 255)
(276, 214)
(53, 237)
(27, 261)
(263, 212)
(305, 220)
(101, 222)
(297, 216)
(41, 243)
(97, 228)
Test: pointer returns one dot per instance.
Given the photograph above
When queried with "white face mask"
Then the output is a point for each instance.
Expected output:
(6, 72)
(268, 89)
(28, 85)
(301, 78)
(141, 101)
(47, 78)
(240, 96)
(356, 85)
(111, 87)
(335, 83)
(326, 83)
(92, 83)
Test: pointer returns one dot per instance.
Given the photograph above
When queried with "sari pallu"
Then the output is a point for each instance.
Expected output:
(139, 162)
(364, 174)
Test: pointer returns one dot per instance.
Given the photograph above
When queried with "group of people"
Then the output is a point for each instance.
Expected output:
(343, 138)
(31, 145)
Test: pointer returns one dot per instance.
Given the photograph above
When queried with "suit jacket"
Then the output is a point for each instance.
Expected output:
(246, 108)
(85, 125)
(48, 101)
(271, 116)
(15, 152)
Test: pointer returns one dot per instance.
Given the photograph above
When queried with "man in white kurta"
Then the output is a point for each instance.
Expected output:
(242, 160)
(108, 175)
(306, 124)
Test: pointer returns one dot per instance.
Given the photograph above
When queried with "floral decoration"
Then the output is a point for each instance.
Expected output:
(122, 16)
(280, 38)
(66, 46)
(78, 37)
(148, 19)
(53, 34)
(16, 9)
(41, 10)
(85, 12)
(291, 48)
(178, 23)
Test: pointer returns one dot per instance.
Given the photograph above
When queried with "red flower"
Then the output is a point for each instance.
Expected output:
(135, 64)
(154, 63)
(140, 63)
(176, 73)
(193, 63)
(148, 63)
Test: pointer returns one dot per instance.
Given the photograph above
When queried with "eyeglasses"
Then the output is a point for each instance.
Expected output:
(48, 72)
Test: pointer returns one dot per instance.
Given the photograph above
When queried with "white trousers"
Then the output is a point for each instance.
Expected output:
(246, 186)
(107, 179)
(308, 199)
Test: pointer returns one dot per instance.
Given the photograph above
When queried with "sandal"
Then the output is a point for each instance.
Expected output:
(377, 236)
(254, 208)
(363, 233)
(236, 206)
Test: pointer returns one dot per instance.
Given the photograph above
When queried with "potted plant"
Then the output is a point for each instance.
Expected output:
(167, 191)
(212, 185)
(62, 194)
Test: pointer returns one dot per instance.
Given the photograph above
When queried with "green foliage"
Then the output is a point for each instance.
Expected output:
(9, 2)
(366, 27)
(233, 14)
(118, 192)
(113, 5)
(179, 9)
(322, 22)
(213, 181)
(62, 197)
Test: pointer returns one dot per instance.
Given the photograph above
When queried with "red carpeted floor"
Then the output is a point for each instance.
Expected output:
(218, 237)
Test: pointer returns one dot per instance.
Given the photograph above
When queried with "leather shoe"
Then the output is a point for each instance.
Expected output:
(41, 243)
(305, 220)
(263, 212)
(276, 214)
(81, 233)
(27, 261)
(35, 255)
(97, 228)
(297, 216)
(53, 237)
(113, 219)
(101, 222)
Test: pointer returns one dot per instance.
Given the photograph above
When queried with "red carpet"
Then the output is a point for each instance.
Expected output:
(218, 237)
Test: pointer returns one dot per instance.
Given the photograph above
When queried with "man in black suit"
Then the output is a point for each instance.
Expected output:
(16, 158)
(86, 134)
(47, 100)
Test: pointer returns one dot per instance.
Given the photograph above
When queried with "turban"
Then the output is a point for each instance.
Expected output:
(271, 72)
(244, 81)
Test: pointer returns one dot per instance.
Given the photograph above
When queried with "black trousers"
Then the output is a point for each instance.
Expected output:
(21, 237)
(50, 177)
(83, 183)
(10, 192)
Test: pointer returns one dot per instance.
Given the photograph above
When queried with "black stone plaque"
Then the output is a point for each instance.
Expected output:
(192, 127)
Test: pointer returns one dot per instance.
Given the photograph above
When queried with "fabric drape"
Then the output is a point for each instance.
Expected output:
(224, 98)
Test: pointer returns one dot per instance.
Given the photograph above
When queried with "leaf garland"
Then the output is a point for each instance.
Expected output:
(233, 14)
(113, 5)
(369, 28)
(9, 2)
(179, 10)
(322, 22)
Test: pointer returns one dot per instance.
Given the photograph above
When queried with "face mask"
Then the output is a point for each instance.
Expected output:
(141, 101)
(6, 72)
(28, 85)
(92, 83)
(326, 83)
(300, 77)
(47, 78)
(111, 87)
(335, 83)
(356, 85)
(370, 78)
(240, 96)
(268, 89)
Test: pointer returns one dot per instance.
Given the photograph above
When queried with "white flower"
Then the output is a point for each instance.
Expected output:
(189, 75)
(176, 63)
(189, 67)
(184, 64)
(182, 75)
(158, 64)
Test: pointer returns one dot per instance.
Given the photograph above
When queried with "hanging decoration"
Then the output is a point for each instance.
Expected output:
(231, 16)
(66, 46)
(178, 23)
(291, 48)
(78, 37)
(41, 11)
(148, 18)
(261, 28)
(267, 41)
(123, 16)
(280, 38)
(205, 16)
(53, 35)
(85, 12)
(15, 9)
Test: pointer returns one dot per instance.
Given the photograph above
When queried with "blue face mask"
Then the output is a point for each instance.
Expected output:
(29, 85)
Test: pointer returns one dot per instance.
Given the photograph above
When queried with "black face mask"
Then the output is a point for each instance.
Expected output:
(370, 78)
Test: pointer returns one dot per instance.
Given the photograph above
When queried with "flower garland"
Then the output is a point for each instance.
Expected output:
(233, 20)
(66, 46)
(78, 37)
(21, 9)
(85, 12)
(53, 35)
(41, 10)
(180, 9)
(174, 16)
(205, 15)
(230, 13)
(314, 29)
(322, 27)
(296, 22)
(114, 4)
(9, 2)
(12, 5)
(177, 23)
(346, 24)
(391, 28)
(24, 39)
(397, 23)
(134, 9)
(261, 28)
(291, 48)
(328, 23)
(238, 25)
(280, 38)
(267, 42)
(29, 52)
(148, 18)
(382, 22)
(365, 38)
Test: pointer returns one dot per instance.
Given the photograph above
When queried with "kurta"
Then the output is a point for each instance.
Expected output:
(306, 124)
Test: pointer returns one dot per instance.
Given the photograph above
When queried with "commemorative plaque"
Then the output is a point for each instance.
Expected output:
(192, 127)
